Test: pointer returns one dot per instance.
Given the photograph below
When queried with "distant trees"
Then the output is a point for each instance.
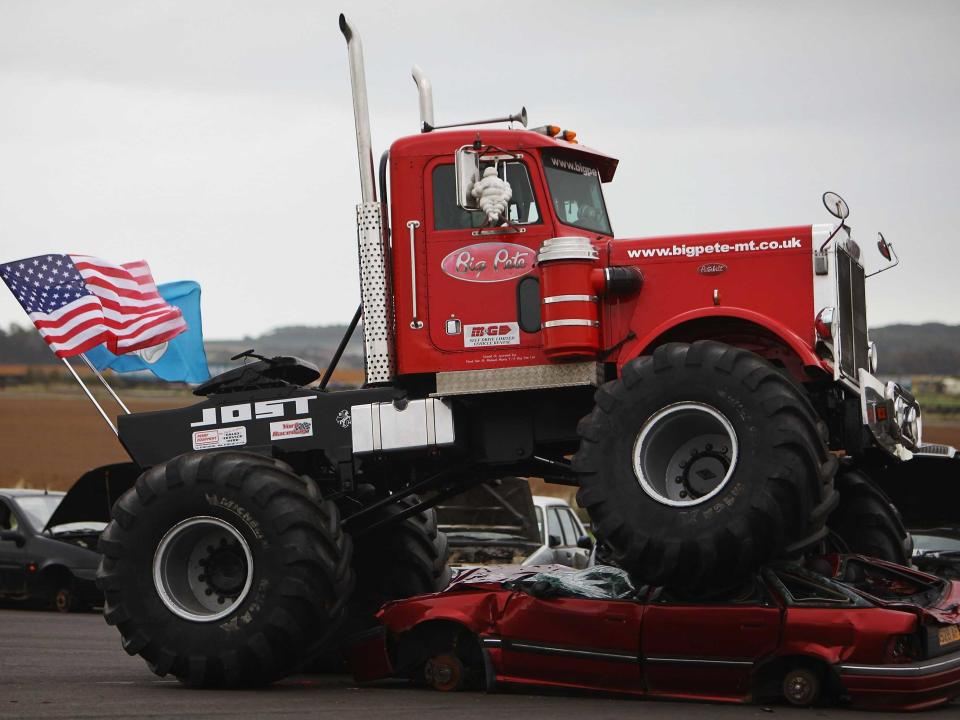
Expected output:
(24, 346)
(929, 349)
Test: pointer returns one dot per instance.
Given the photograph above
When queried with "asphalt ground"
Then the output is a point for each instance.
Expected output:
(72, 666)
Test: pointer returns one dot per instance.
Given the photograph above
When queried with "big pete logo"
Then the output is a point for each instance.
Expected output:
(488, 262)
(250, 411)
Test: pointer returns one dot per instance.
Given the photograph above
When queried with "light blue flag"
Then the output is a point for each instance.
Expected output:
(181, 359)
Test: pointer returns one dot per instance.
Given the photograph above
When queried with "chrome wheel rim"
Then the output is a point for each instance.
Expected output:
(202, 569)
(685, 454)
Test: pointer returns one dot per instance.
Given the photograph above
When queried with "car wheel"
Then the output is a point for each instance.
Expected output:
(64, 600)
(444, 672)
(223, 569)
(801, 687)
(700, 463)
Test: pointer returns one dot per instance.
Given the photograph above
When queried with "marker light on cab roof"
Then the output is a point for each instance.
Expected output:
(569, 135)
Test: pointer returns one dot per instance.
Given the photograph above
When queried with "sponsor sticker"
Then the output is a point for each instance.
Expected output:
(489, 262)
(491, 334)
(286, 429)
(219, 438)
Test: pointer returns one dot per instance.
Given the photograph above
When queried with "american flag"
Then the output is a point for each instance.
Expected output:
(79, 301)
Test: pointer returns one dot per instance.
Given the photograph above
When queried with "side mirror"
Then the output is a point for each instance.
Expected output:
(13, 536)
(585, 542)
(836, 206)
(884, 247)
(888, 253)
(553, 541)
(467, 171)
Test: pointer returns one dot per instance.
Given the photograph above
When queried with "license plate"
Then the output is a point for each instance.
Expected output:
(949, 635)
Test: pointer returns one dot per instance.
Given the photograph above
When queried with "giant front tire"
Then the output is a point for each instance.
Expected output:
(701, 463)
(222, 570)
(867, 523)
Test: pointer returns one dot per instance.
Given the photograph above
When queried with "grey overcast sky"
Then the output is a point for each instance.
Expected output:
(214, 138)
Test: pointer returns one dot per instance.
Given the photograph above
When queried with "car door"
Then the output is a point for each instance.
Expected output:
(703, 649)
(13, 577)
(572, 642)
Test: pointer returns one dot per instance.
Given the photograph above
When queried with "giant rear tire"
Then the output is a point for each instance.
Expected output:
(406, 558)
(220, 569)
(866, 522)
(701, 463)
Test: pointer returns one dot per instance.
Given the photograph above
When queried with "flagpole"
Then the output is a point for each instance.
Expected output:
(105, 383)
(90, 395)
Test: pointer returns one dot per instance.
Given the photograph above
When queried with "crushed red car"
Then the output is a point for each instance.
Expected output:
(843, 627)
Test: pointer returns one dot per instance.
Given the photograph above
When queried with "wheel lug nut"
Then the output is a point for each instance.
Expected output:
(683, 493)
(220, 599)
(678, 479)
(202, 578)
(208, 591)
(724, 449)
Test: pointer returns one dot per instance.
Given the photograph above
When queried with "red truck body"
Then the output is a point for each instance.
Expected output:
(755, 285)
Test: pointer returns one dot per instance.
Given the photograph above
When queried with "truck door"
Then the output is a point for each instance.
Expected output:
(473, 272)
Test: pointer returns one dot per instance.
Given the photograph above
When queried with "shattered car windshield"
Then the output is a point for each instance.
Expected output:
(575, 192)
(597, 583)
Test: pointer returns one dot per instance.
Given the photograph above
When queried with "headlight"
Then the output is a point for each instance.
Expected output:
(872, 357)
(824, 323)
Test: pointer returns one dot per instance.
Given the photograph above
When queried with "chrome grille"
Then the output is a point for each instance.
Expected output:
(852, 307)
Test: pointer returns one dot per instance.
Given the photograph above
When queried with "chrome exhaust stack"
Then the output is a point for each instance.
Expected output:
(425, 93)
(375, 291)
(361, 112)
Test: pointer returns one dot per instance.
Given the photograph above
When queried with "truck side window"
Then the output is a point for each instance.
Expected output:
(447, 215)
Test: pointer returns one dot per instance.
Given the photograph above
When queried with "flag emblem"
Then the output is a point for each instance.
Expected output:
(79, 301)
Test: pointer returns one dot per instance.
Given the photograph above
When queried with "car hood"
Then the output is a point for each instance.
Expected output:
(503, 507)
(93, 495)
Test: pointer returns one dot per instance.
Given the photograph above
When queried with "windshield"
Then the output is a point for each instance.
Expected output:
(575, 191)
(39, 508)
